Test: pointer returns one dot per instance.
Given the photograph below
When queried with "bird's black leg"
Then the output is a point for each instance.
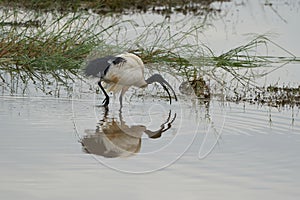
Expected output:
(106, 100)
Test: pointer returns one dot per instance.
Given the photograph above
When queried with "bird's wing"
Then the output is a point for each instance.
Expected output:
(98, 66)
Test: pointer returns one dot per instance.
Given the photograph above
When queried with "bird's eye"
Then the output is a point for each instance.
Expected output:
(118, 60)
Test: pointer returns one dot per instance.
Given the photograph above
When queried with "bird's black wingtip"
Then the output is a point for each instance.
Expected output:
(96, 67)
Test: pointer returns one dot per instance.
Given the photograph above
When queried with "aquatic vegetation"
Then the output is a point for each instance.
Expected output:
(274, 96)
(57, 48)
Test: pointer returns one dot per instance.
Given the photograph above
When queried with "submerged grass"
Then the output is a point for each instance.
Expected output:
(273, 96)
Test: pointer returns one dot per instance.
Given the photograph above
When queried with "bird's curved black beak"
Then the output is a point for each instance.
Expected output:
(166, 85)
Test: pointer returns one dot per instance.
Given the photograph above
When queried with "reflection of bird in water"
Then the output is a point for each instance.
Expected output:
(121, 72)
(114, 138)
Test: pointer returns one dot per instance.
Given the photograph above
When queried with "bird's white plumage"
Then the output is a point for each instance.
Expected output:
(125, 74)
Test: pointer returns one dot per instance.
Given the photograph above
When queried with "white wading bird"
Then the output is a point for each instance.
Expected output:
(122, 71)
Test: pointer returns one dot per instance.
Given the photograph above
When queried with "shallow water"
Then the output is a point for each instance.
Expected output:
(224, 149)
(69, 147)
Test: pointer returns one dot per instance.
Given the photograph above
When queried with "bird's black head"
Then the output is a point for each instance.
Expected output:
(159, 79)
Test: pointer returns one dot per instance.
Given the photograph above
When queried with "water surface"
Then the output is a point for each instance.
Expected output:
(238, 150)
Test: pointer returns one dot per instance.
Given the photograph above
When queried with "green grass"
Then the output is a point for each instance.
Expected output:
(60, 47)
(45, 49)
(197, 60)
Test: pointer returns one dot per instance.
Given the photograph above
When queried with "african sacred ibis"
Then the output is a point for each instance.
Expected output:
(122, 71)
